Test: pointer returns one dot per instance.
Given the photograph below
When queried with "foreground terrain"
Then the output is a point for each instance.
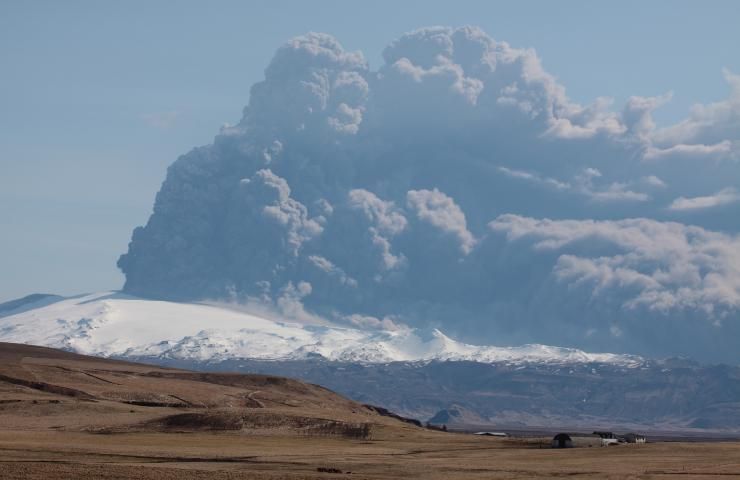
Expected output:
(69, 416)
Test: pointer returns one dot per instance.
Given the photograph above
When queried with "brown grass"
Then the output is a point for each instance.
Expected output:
(392, 454)
(211, 426)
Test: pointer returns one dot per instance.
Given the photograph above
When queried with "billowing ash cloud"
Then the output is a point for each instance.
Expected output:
(459, 186)
(660, 266)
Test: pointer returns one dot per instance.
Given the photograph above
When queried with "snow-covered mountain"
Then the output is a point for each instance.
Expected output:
(115, 324)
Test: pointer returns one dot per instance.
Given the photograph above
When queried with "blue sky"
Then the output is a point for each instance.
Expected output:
(98, 98)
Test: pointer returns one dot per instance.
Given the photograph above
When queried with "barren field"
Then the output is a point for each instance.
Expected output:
(64, 416)
(45, 455)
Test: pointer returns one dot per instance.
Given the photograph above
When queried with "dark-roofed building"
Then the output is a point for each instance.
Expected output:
(634, 438)
(562, 440)
(580, 440)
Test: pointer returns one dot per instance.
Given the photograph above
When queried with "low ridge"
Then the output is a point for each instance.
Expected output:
(44, 388)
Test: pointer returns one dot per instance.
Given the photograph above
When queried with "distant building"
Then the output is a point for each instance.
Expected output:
(580, 440)
(562, 440)
(634, 438)
(492, 434)
(607, 438)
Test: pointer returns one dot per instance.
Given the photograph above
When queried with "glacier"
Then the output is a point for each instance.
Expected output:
(114, 324)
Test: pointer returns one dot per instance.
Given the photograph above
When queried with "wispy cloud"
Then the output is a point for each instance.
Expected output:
(723, 197)
(584, 184)
(535, 178)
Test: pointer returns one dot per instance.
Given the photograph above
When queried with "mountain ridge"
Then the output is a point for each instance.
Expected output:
(116, 324)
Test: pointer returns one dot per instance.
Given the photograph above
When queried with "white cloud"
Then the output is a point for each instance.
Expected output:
(329, 268)
(584, 184)
(535, 178)
(723, 197)
(637, 114)
(695, 151)
(579, 122)
(289, 304)
(383, 214)
(441, 211)
(653, 181)
(661, 266)
(616, 192)
(367, 321)
(282, 209)
(710, 130)
(386, 221)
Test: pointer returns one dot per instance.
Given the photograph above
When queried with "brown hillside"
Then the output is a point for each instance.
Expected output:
(43, 388)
